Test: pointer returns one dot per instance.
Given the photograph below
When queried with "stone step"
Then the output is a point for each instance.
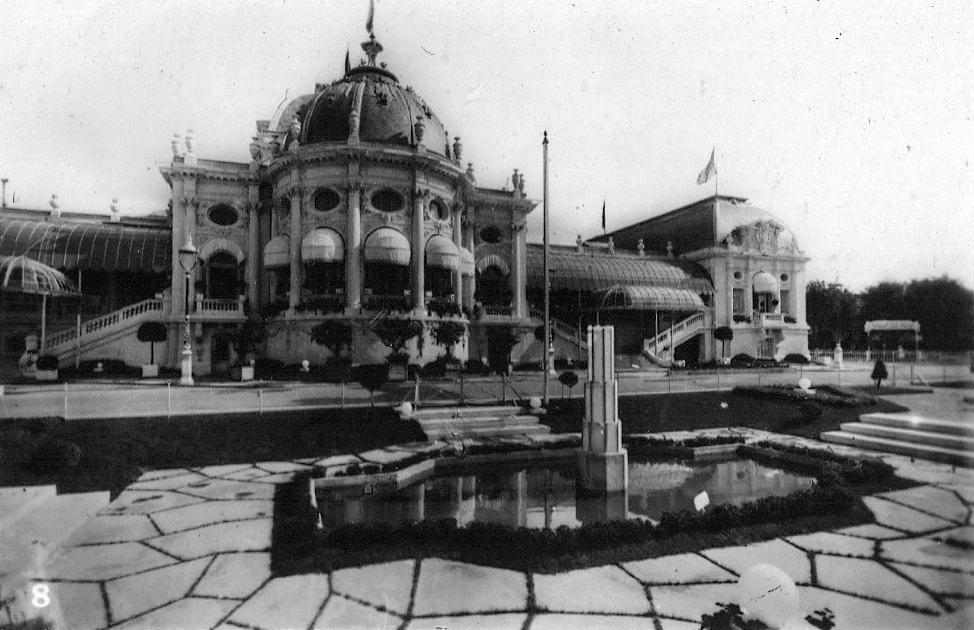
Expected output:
(467, 412)
(472, 422)
(509, 430)
(17, 500)
(922, 451)
(918, 423)
(943, 440)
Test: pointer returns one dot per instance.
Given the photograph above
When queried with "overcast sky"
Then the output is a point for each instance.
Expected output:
(850, 121)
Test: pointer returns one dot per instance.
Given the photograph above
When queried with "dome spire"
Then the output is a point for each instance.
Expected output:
(372, 48)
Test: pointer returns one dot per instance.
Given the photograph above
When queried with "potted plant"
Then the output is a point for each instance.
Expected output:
(448, 334)
(151, 333)
(395, 334)
(336, 336)
(46, 368)
(245, 340)
(723, 334)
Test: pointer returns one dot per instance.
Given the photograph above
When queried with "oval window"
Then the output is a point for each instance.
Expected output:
(440, 210)
(284, 203)
(223, 215)
(491, 234)
(784, 277)
(387, 200)
(738, 275)
(326, 199)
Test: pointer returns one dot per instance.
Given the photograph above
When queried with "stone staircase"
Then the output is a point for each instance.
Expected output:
(445, 423)
(34, 521)
(944, 441)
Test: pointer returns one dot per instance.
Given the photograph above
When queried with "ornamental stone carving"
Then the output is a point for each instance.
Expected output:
(761, 236)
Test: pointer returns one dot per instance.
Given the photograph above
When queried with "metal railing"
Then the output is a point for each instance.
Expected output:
(562, 328)
(679, 331)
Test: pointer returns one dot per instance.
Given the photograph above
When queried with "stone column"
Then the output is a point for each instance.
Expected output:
(191, 203)
(458, 273)
(178, 239)
(295, 248)
(470, 286)
(254, 251)
(353, 247)
(603, 463)
(518, 272)
(417, 283)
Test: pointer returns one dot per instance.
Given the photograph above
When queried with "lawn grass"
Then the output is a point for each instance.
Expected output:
(115, 452)
(704, 410)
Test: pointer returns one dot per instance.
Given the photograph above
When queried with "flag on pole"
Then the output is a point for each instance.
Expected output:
(603, 215)
(368, 23)
(709, 171)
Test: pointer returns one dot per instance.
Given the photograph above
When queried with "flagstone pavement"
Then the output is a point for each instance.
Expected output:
(190, 549)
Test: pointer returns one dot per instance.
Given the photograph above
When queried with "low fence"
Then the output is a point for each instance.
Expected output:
(933, 357)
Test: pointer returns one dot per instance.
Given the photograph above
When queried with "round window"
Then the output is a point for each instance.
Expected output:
(326, 200)
(387, 200)
(223, 215)
(491, 234)
(440, 210)
(784, 277)
(284, 203)
(738, 275)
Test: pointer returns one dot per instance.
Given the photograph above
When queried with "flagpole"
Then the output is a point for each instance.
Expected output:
(546, 367)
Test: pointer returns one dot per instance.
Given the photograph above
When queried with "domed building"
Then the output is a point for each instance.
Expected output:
(356, 234)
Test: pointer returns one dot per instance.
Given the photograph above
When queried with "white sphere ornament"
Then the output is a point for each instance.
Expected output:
(406, 409)
(535, 402)
(768, 594)
(804, 383)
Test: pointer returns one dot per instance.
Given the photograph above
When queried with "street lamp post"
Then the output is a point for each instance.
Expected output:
(188, 257)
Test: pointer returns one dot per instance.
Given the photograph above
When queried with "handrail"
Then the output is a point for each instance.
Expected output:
(679, 327)
(220, 305)
(560, 326)
(104, 322)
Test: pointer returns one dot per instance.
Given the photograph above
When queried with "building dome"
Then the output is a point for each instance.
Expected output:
(388, 113)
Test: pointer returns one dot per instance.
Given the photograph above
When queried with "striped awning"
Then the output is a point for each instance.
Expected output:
(466, 262)
(764, 282)
(277, 252)
(387, 245)
(20, 274)
(642, 298)
(493, 260)
(441, 252)
(99, 246)
(323, 245)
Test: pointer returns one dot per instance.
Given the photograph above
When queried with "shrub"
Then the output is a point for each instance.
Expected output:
(55, 455)
(797, 359)
(810, 410)
(334, 335)
(742, 360)
(371, 377)
(47, 362)
(152, 333)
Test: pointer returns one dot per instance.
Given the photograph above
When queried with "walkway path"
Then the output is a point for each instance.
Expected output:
(189, 548)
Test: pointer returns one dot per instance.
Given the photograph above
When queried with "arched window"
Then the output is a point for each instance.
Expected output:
(493, 287)
(222, 277)
(387, 255)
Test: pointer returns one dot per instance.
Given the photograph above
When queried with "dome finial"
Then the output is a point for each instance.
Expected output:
(372, 48)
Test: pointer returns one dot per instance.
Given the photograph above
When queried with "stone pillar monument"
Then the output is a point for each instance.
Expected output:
(602, 462)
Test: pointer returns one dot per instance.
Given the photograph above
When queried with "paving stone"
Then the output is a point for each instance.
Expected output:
(835, 544)
(606, 589)
(337, 460)
(684, 568)
(224, 469)
(244, 475)
(290, 602)
(136, 594)
(965, 490)
(545, 621)
(274, 479)
(162, 473)
(420, 447)
(676, 624)
(104, 529)
(690, 602)
(862, 614)
(167, 483)
(147, 502)
(777, 553)
(386, 585)
(384, 456)
(963, 535)
(963, 616)
(936, 501)
(928, 552)
(104, 562)
(211, 512)
(939, 580)
(871, 579)
(872, 531)
(448, 588)
(900, 517)
(235, 575)
(220, 538)
(230, 489)
(186, 614)
(343, 614)
(81, 606)
(281, 467)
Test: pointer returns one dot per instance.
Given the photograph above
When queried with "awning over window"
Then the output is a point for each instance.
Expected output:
(225, 245)
(573, 271)
(642, 298)
(466, 262)
(764, 282)
(277, 252)
(110, 247)
(387, 245)
(323, 245)
(441, 252)
(493, 260)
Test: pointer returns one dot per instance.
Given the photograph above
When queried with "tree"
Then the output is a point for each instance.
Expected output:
(723, 334)
(371, 377)
(151, 333)
(333, 334)
(395, 333)
(879, 372)
(247, 337)
(568, 379)
(448, 334)
(833, 314)
(945, 310)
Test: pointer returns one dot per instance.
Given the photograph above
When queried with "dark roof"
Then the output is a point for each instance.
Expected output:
(69, 245)
(589, 271)
(627, 297)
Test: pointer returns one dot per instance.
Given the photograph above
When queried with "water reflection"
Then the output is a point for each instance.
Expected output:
(546, 497)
